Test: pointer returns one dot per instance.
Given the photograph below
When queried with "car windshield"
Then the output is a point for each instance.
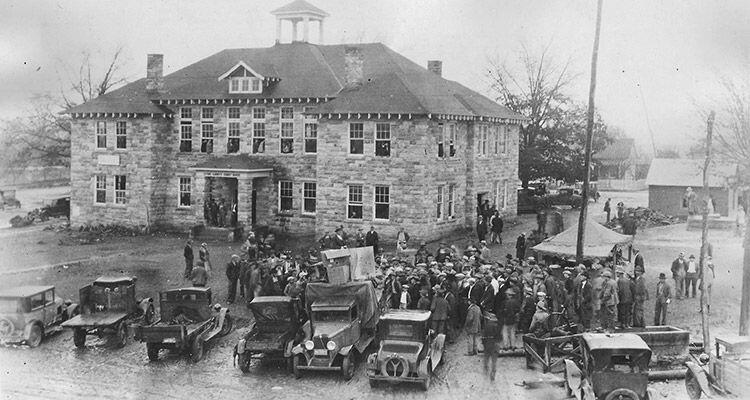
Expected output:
(331, 316)
(272, 312)
(9, 306)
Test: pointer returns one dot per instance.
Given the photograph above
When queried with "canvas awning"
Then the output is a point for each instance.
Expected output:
(599, 242)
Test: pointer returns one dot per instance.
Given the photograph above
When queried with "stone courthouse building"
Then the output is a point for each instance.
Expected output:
(302, 137)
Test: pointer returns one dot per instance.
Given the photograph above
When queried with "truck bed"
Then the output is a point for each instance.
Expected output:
(95, 320)
(162, 330)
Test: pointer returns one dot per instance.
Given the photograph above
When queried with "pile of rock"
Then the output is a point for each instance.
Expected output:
(646, 217)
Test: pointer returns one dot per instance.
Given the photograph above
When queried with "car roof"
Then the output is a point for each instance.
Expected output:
(23, 291)
(271, 299)
(614, 341)
(334, 302)
(192, 289)
(114, 279)
(406, 315)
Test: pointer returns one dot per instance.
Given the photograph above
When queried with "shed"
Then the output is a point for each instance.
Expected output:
(669, 179)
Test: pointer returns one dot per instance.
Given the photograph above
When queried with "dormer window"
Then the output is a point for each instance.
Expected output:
(245, 85)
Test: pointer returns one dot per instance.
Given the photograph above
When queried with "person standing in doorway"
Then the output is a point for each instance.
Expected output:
(607, 208)
(663, 297)
(189, 258)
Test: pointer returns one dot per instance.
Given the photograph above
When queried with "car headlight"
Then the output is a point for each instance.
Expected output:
(331, 345)
(309, 345)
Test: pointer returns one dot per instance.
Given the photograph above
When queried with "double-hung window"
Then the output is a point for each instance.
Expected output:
(450, 209)
(101, 134)
(233, 129)
(439, 203)
(452, 140)
(382, 202)
(121, 134)
(259, 130)
(441, 140)
(383, 140)
(354, 202)
(207, 130)
(286, 194)
(186, 129)
(309, 196)
(311, 132)
(287, 130)
(100, 191)
(482, 140)
(185, 190)
(356, 138)
(121, 187)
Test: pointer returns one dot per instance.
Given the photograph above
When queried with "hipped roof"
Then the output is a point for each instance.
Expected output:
(684, 172)
(392, 83)
(598, 241)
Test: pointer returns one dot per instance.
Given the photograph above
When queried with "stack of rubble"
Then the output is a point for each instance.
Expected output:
(646, 218)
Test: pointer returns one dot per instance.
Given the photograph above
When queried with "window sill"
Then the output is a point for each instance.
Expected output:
(446, 221)
(307, 215)
(285, 214)
(184, 208)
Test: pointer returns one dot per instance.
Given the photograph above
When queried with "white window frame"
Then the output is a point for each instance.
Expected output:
(361, 138)
(121, 195)
(184, 185)
(100, 188)
(121, 131)
(231, 133)
(313, 128)
(305, 197)
(451, 205)
(482, 141)
(441, 140)
(291, 196)
(186, 127)
(101, 131)
(207, 121)
(259, 121)
(354, 203)
(506, 139)
(245, 84)
(383, 134)
(288, 133)
(440, 199)
(375, 202)
(452, 140)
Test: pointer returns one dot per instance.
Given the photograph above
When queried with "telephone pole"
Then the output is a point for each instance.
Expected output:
(704, 231)
(589, 138)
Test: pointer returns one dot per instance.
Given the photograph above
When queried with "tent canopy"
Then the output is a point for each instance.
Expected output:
(599, 242)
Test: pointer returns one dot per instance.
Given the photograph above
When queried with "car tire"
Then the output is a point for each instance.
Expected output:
(296, 359)
(347, 366)
(196, 350)
(226, 325)
(35, 336)
(243, 361)
(692, 387)
(152, 349)
(122, 334)
(622, 394)
(79, 337)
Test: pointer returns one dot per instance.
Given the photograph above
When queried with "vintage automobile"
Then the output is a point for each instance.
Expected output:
(727, 372)
(28, 313)
(280, 323)
(186, 322)
(343, 321)
(8, 199)
(409, 350)
(107, 306)
(55, 208)
(565, 196)
(612, 367)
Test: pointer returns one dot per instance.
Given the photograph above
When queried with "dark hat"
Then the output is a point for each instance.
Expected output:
(692, 257)
(662, 276)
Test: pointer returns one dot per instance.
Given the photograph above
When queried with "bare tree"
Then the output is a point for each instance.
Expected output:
(733, 139)
(82, 83)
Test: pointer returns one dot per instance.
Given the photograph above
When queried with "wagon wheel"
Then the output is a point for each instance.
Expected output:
(148, 317)
(122, 334)
(622, 394)
(424, 372)
(226, 326)
(79, 337)
(295, 366)
(243, 360)
(692, 386)
(196, 350)
(347, 367)
(35, 336)
(152, 349)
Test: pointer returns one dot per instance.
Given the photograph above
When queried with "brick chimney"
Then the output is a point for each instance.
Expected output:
(353, 61)
(155, 73)
(436, 67)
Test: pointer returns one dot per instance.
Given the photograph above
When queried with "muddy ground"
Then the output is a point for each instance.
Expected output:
(58, 370)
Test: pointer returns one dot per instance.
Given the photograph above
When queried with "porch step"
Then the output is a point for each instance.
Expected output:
(214, 234)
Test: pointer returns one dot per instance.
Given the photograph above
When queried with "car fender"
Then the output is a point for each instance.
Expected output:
(29, 324)
(573, 378)
(298, 349)
(307, 330)
(346, 350)
(701, 375)
(288, 348)
(436, 350)
(72, 310)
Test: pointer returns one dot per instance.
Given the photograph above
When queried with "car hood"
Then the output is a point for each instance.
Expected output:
(400, 348)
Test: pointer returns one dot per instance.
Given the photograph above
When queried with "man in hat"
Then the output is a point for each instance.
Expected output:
(679, 266)
(625, 288)
(609, 301)
(439, 310)
(496, 228)
(540, 321)
(404, 298)
(691, 276)
(422, 253)
(583, 303)
(473, 326)
(511, 306)
(189, 257)
(638, 261)
(521, 246)
(233, 275)
(424, 302)
(338, 238)
(640, 295)
(359, 238)
(481, 227)
(199, 276)
(663, 297)
(402, 239)
(204, 256)
(371, 239)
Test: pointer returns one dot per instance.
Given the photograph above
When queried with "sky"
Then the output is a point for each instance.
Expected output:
(660, 62)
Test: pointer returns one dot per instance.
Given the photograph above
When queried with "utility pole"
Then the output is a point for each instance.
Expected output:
(704, 232)
(589, 138)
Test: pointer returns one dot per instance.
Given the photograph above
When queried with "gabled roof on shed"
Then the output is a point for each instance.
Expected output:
(684, 172)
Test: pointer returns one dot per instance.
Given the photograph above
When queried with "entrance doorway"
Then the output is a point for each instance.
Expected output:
(220, 202)
(483, 203)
